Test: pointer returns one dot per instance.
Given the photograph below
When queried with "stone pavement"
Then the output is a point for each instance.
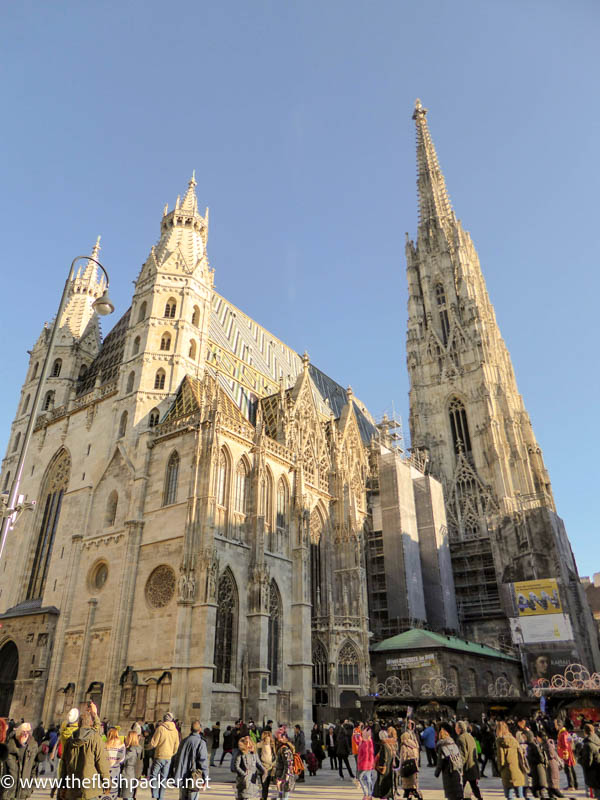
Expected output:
(327, 785)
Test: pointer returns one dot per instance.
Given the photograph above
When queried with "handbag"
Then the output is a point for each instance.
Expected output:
(408, 768)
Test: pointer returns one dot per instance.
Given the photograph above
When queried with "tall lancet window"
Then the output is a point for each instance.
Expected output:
(316, 565)
(274, 638)
(225, 630)
(170, 492)
(51, 496)
(459, 427)
(440, 299)
(348, 665)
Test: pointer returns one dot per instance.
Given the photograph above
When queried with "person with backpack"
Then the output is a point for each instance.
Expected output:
(468, 751)
(192, 763)
(449, 764)
(285, 776)
(590, 759)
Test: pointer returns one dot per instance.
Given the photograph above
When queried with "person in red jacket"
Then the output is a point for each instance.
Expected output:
(564, 748)
(365, 764)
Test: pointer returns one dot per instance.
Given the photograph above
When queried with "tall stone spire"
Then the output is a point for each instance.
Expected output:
(434, 203)
(467, 413)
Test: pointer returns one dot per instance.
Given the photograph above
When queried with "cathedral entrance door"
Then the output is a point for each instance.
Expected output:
(9, 667)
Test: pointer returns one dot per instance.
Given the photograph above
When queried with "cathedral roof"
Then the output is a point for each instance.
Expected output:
(107, 362)
(419, 639)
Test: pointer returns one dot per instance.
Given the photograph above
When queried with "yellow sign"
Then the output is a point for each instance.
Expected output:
(537, 597)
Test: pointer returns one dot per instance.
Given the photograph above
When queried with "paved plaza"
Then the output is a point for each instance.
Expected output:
(327, 785)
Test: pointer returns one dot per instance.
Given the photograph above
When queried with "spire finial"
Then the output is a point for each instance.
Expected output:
(305, 361)
(96, 248)
(166, 210)
(189, 202)
(434, 203)
(349, 394)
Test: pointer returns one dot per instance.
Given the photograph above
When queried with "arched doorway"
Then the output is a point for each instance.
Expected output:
(9, 667)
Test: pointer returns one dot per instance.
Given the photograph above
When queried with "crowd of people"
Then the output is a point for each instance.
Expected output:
(383, 759)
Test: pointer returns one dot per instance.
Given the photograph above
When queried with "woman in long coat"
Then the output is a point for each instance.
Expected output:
(409, 749)
(266, 751)
(385, 785)
(554, 767)
(590, 758)
(248, 769)
(22, 754)
(316, 743)
(509, 763)
(449, 764)
(132, 765)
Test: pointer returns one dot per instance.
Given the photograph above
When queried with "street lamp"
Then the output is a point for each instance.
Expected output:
(10, 507)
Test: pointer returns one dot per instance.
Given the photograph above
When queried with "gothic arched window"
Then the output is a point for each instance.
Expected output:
(196, 316)
(35, 370)
(51, 496)
(165, 341)
(170, 493)
(154, 418)
(348, 666)
(282, 520)
(459, 427)
(6, 481)
(111, 508)
(222, 479)
(240, 497)
(225, 630)
(130, 380)
(123, 424)
(316, 567)
(266, 507)
(56, 368)
(192, 351)
(274, 637)
(17, 441)
(320, 666)
(440, 299)
(170, 307)
(142, 314)
(159, 379)
(49, 401)
(25, 404)
(136, 346)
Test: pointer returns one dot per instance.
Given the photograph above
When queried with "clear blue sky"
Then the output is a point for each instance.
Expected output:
(297, 119)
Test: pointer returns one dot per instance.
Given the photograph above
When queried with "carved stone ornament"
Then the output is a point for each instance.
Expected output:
(160, 587)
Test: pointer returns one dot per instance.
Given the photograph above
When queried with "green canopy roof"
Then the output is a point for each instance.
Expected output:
(418, 639)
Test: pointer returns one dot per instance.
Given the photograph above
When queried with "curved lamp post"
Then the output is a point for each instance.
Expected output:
(11, 507)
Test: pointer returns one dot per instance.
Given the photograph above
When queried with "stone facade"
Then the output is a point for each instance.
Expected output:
(467, 416)
(198, 542)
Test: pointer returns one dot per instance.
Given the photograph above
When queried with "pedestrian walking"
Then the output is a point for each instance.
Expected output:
(365, 764)
(509, 760)
(249, 769)
(132, 766)
(23, 755)
(192, 771)
(267, 753)
(564, 748)
(85, 759)
(384, 785)
(409, 765)
(214, 742)
(590, 759)
(554, 765)
(468, 751)
(285, 777)
(165, 742)
(428, 737)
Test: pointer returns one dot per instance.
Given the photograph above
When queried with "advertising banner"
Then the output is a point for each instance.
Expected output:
(411, 662)
(537, 597)
(541, 628)
(545, 664)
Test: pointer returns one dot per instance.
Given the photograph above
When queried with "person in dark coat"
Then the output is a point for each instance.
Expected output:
(248, 769)
(214, 744)
(23, 754)
(468, 751)
(343, 748)
(590, 758)
(538, 765)
(192, 755)
(330, 744)
(316, 743)
(300, 748)
(449, 764)
(132, 766)
(385, 785)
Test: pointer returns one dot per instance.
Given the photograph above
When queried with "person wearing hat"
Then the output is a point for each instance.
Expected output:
(165, 743)
(22, 756)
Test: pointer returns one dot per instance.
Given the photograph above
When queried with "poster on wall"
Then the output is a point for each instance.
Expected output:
(545, 664)
(541, 628)
(411, 662)
(537, 597)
